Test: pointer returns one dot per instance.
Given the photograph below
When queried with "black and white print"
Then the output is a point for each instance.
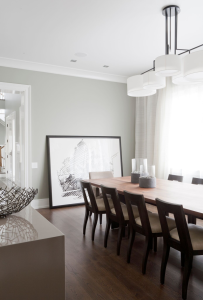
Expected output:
(71, 160)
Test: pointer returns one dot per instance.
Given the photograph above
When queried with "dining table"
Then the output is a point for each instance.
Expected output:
(187, 194)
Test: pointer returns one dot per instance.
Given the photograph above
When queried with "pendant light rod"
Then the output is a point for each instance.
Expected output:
(170, 11)
(176, 29)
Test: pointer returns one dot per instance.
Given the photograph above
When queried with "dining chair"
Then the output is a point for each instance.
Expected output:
(94, 205)
(186, 238)
(97, 190)
(147, 224)
(118, 214)
(195, 180)
(178, 178)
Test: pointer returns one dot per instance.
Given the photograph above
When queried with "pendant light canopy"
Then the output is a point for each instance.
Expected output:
(167, 65)
(151, 81)
(193, 66)
(135, 87)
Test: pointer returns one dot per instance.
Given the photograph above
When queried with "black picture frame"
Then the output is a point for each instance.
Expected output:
(48, 137)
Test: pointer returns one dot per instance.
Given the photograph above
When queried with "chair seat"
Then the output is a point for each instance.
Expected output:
(155, 222)
(101, 205)
(196, 235)
(125, 211)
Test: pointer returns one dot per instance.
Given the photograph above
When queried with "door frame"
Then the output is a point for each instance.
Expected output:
(27, 130)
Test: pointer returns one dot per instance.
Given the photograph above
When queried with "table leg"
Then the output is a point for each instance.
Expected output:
(191, 219)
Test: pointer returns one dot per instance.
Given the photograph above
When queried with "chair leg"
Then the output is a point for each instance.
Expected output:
(100, 217)
(85, 221)
(165, 256)
(90, 213)
(94, 225)
(108, 224)
(151, 244)
(155, 244)
(146, 253)
(130, 244)
(186, 275)
(120, 235)
(124, 231)
(128, 231)
(182, 259)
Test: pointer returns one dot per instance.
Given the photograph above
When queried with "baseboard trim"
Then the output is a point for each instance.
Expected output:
(40, 203)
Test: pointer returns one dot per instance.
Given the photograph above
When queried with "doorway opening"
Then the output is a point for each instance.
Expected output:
(15, 141)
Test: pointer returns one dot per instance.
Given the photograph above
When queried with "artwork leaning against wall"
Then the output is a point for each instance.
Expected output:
(72, 158)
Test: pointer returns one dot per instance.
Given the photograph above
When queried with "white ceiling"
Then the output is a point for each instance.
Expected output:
(126, 35)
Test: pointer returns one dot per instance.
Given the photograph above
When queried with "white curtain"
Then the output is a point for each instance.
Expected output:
(169, 130)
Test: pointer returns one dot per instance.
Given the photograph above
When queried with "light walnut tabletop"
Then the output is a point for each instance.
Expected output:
(189, 195)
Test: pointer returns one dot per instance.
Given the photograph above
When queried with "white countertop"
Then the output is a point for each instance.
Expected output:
(26, 226)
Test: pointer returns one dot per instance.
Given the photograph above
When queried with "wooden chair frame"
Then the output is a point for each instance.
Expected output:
(118, 217)
(184, 245)
(195, 180)
(90, 207)
(178, 178)
(145, 229)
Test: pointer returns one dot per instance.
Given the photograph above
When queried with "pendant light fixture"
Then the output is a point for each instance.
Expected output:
(184, 70)
(136, 89)
(169, 64)
(151, 81)
(193, 66)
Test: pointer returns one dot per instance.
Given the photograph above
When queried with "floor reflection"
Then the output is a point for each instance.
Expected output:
(16, 230)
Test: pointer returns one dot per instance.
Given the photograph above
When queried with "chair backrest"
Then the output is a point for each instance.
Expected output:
(88, 195)
(139, 201)
(116, 201)
(98, 175)
(197, 180)
(178, 178)
(182, 228)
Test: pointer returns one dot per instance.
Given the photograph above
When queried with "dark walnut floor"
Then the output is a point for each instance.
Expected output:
(93, 272)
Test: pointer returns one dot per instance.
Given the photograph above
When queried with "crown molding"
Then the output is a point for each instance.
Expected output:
(39, 67)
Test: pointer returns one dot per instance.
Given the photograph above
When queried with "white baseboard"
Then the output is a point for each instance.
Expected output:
(40, 203)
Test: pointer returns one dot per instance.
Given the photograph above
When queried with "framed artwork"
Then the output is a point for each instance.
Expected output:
(71, 158)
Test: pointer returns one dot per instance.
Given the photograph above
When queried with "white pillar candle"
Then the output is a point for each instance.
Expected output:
(141, 169)
(145, 165)
(152, 171)
(133, 165)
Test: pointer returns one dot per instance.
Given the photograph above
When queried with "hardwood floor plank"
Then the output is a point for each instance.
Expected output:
(94, 272)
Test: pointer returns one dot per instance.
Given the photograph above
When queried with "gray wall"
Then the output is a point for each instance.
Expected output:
(65, 105)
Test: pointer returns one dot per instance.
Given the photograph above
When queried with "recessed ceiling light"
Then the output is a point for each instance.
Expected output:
(105, 66)
(80, 54)
(73, 60)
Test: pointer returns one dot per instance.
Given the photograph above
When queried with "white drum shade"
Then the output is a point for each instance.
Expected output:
(135, 87)
(151, 81)
(167, 65)
(180, 79)
(193, 66)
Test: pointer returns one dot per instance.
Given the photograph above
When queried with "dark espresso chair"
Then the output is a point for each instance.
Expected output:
(186, 238)
(94, 205)
(118, 214)
(192, 219)
(97, 190)
(178, 178)
(147, 224)
(197, 180)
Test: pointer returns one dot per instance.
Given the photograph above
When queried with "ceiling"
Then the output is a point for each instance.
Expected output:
(126, 35)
